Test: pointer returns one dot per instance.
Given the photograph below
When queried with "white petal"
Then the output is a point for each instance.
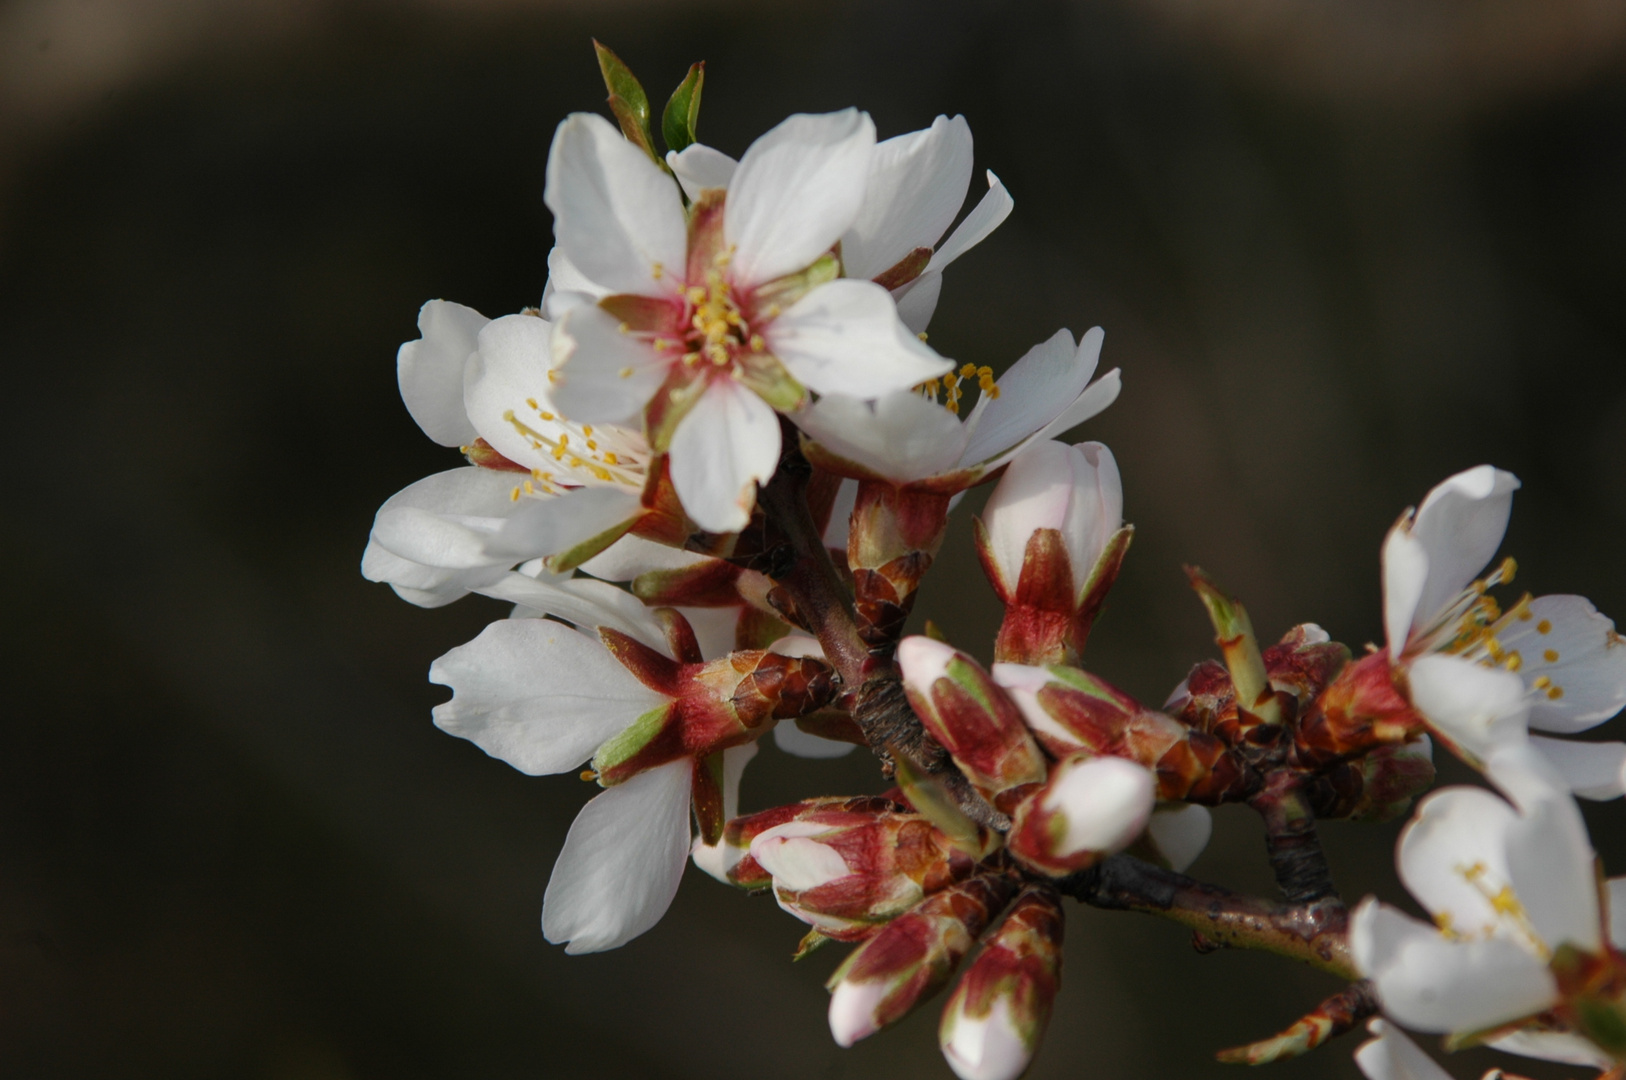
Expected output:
(726, 445)
(1095, 398)
(1593, 770)
(1392, 1056)
(537, 694)
(796, 858)
(510, 366)
(713, 628)
(1038, 388)
(567, 286)
(798, 743)
(469, 501)
(1405, 576)
(1432, 984)
(543, 524)
(989, 213)
(621, 862)
(699, 167)
(796, 191)
(923, 660)
(901, 436)
(991, 1047)
(1460, 525)
(430, 370)
(1616, 890)
(917, 301)
(1106, 802)
(845, 338)
(1180, 832)
(1551, 868)
(603, 376)
(1453, 858)
(852, 1009)
(1477, 708)
(616, 214)
(587, 603)
(836, 533)
(1574, 653)
(633, 555)
(917, 183)
(1562, 1046)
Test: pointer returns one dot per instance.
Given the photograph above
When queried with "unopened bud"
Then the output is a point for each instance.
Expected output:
(1376, 786)
(1361, 709)
(738, 866)
(1051, 541)
(912, 956)
(845, 872)
(1091, 807)
(975, 720)
(997, 1014)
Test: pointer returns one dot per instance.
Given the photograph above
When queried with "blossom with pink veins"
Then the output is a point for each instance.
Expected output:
(702, 322)
(1481, 677)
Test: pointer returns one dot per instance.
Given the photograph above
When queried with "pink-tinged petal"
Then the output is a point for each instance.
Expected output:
(852, 1009)
(603, 374)
(989, 213)
(587, 603)
(621, 862)
(1570, 655)
(845, 338)
(1477, 708)
(699, 167)
(1073, 489)
(717, 860)
(917, 183)
(1460, 525)
(549, 524)
(917, 301)
(1405, 576)
(1038, 388)
(726, 445)
(1430, 983)
(1180, 832)
(797, 189)
(840, 527)
(537, 694)
(1453, 859)
(616, 214)
(1023, 682)
(798, 743)
(923, 660)
(1551, 868)
(567, 286)
(1392, 1056)
(1104, 803)
(994, 1046)
(509, 367)
(1615, 889)
(633, 555)
(901, 436)
(1592, 770)
(430, 370)
(796, 858)
(1564, 1046)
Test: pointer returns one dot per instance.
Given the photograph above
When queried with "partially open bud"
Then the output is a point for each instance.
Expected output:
(1051, 541)
(912, 956)
(845, 872)
(997, 1014)
(1071, 711)
(712, 706)
(1090, 808)
(1360, 710)
(735, 864)
(975, 720)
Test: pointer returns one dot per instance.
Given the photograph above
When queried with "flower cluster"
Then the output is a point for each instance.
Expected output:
(709, 472)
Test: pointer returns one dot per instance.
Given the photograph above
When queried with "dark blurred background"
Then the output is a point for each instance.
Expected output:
(1341, 251)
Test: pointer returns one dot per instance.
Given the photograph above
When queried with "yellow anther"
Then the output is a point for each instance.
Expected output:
(589, 774)
(576, 462)
(545, 415)
(625, 328)
(1480, 587)
(1506, 571)
(1542, 682)
(1522, 610)
(531, 401)
(921, 335)
(530, 489)
(625, 373)
(1554, 693)
(591, 445)
(599, 471)
(968, 370)
(1514, 661)
(1545, 626)
(553, 375)
(1494, 647)
(513, 496)
(610, 458)
(696, 294)
(757, 344)
(657, 271)
(1550, 655)
(587, 430)
(536, 474)
(1505, 902)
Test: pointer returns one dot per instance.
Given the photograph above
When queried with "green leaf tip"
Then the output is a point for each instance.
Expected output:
(627, 99)
(681, 119)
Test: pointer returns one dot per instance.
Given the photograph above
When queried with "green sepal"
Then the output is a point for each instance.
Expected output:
(811, 943)
(785, 291)
(928, 795)
(766, 377)
(632, 739)
(627, 100)
(681, 119)
(678, 394)
(562, 562)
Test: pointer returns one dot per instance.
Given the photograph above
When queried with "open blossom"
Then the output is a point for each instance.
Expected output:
(1482, 677)
(702, 322)
(916, 185)
(665, 729)
(1519, 949)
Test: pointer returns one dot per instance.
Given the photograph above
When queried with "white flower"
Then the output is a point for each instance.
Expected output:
(908, 438)
(705, 322)
(1075, 490)
(1482, 677)
(916, 185)
(1510, 885)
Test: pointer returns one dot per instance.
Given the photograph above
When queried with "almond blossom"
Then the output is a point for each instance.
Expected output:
(701, 322)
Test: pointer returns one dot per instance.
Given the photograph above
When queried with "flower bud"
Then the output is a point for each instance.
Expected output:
(974, 719)
(1376, 786)
(1051, 541)
(1360, 710)
(712, 706)
(993, 1022)
(845, 872)
(911, 957)
(1091, 807)
(733, 860)
(894, 536)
